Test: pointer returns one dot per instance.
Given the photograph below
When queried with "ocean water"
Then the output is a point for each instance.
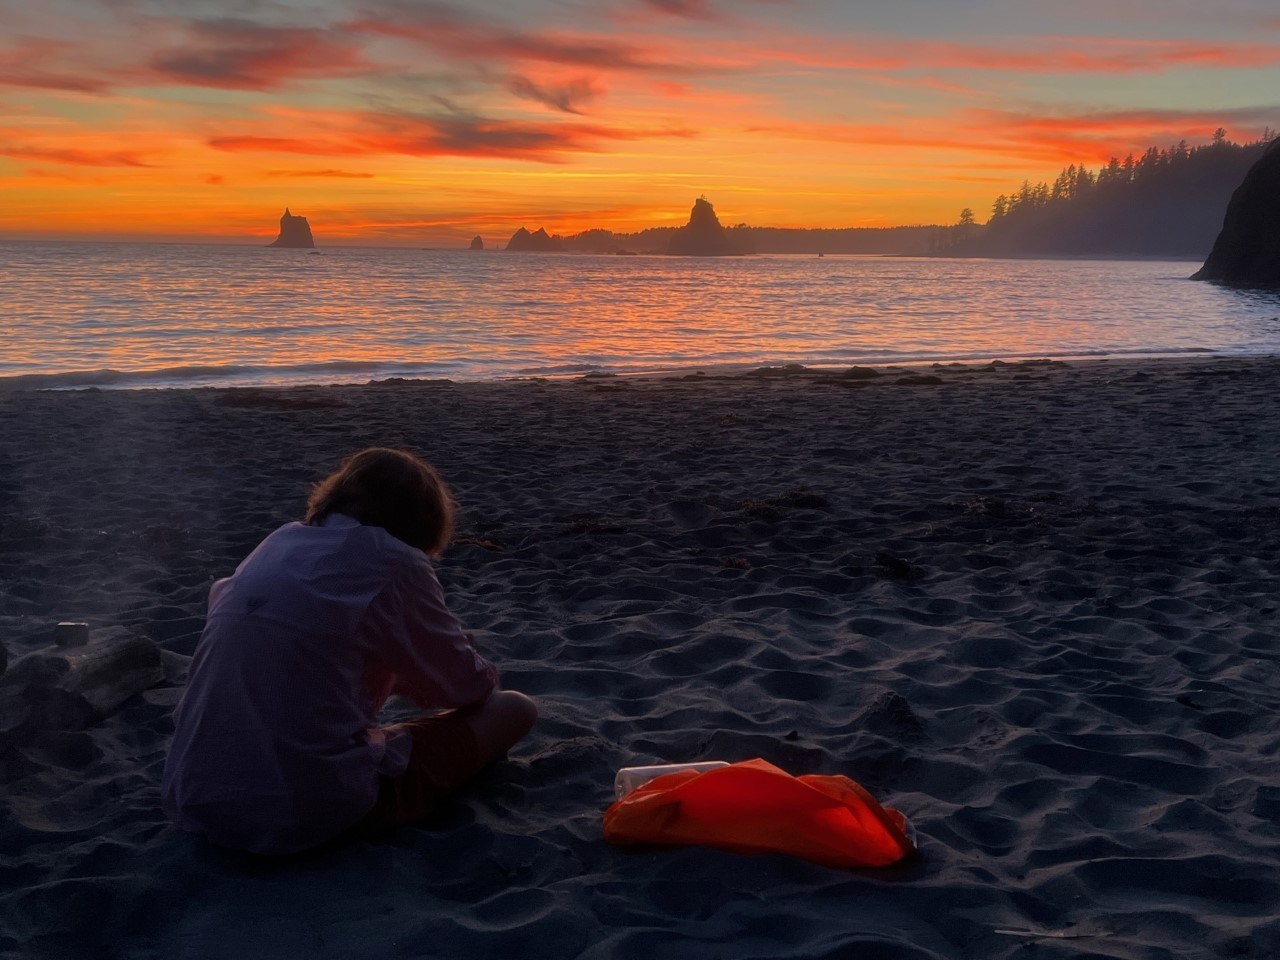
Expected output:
(156, 315)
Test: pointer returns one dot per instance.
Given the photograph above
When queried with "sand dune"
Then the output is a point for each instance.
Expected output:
(1032, 606)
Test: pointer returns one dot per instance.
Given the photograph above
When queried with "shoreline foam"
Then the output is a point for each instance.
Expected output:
(242, 376)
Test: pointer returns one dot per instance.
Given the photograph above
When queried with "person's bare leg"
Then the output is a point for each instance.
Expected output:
(499, 723)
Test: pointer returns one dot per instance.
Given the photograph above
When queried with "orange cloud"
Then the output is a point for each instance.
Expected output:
(1096, 55)
(61, 176)
(451, 135)
(1028, 138)
(35, 62)
(336, 174)
(75, 157)
(256, 144)
(1038, 55)
(1097, 136)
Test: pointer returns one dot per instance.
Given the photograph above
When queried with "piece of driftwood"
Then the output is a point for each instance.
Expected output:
(74, 687)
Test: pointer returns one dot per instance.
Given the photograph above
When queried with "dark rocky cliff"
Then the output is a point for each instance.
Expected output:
(1247, 251)
(294, 232)
(537, 242)
(703, 236)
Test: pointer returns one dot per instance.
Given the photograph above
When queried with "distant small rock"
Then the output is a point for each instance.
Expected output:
(537, 242)
(477, 243)
(295, 232)
(1247, 251)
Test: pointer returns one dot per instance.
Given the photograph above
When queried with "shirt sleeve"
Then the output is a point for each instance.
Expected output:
(422, 643)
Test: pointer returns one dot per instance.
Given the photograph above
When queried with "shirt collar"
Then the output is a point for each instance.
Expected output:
(339, 520)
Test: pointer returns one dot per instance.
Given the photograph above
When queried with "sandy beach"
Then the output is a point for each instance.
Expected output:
(1033, 606)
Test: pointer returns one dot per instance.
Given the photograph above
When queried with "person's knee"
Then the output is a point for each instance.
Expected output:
(518, 711)
(501, 722)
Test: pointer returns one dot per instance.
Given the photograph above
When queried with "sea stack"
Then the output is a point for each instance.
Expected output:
(703, 236)
(1247, 251)
(477, 243)
(294, 232)
(537, 242)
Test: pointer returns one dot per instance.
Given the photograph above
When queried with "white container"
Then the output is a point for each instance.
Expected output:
(630, 778)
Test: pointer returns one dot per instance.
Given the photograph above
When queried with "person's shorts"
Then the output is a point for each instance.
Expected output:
(443, 757)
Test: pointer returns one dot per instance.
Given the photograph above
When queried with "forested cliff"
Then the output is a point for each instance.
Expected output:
(1164, 203)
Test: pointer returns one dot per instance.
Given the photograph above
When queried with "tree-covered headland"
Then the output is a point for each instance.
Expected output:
(1165, 203)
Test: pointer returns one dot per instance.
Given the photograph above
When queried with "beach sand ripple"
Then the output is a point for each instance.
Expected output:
(1033, 607)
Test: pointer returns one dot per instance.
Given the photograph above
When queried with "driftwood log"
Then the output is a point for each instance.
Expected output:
(70, 688)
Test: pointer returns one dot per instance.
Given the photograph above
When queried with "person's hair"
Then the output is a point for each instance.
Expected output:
(391, 489)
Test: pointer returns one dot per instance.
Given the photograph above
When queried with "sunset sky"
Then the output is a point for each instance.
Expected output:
(418, 123)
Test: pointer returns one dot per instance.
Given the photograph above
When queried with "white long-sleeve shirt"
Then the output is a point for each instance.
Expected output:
(276, 745)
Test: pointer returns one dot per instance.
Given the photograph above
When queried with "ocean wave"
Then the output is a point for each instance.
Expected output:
(350, 371)
(193, 374)
(559, 369)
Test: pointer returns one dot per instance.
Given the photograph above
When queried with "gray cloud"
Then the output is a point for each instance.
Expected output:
(565, 97)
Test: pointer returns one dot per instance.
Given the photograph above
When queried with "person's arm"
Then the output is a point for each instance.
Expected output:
(434, 660)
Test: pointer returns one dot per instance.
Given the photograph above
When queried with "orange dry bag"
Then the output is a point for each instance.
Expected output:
(753, 807)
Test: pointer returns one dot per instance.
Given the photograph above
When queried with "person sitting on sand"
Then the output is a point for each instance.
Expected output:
(277, 747)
